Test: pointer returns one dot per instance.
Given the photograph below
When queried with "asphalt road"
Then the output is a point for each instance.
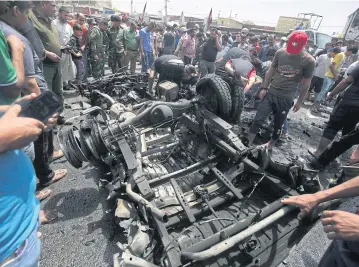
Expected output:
(84, 236)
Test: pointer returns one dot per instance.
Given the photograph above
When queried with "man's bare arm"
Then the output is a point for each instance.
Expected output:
(229, 69)
(345, 190)
(332, 68)
(305, 84)
(31, 86)
(249, 84)
(17, 55)
(268, 77)
(342, 85)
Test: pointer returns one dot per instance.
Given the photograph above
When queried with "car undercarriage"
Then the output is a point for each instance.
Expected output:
(183, 187)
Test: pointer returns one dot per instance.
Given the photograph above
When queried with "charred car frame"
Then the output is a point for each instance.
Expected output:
(184, 188)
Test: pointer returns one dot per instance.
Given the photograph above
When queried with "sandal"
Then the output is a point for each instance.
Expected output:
(43, 194)
(47, 216)
(57, 155)
(58, 175)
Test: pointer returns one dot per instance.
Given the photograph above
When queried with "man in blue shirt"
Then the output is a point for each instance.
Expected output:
(146, 46)
(271, 44)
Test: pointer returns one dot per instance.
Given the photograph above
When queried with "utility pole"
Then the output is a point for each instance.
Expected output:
(131, 7)
(165, 19)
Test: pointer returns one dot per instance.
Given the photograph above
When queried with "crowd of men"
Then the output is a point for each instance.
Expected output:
(40, 53)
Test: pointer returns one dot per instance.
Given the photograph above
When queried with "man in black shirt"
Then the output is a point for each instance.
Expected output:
(209, 53)
(344, 117)
(170, 68)
(168, 42)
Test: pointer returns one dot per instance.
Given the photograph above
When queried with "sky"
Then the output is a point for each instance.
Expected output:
(262, 12)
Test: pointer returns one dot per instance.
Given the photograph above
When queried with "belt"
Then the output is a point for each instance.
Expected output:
(15, 254)
(132, 50)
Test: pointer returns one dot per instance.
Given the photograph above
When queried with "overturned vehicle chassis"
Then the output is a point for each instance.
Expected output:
(186, 191)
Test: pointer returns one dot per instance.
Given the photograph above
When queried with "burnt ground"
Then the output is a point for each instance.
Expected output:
(84, 235)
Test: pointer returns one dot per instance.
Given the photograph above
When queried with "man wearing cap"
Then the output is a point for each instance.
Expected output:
(290, 67)
(96, 48)
(116, 44)
(244, 34)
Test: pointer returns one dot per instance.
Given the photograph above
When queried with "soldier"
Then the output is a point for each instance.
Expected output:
(106, 40)
(96, 48)
(116, 41)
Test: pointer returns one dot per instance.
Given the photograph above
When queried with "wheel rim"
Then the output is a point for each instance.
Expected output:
(210, 98)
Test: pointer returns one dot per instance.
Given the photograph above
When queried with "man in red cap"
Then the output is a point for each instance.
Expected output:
(291, 66)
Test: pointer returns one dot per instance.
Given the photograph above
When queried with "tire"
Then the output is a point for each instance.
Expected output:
(237, 103)
(217, 95)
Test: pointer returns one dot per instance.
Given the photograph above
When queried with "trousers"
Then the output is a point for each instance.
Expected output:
(327, 84)
(339, 147)
(30, 254)
(206, 67)
(53, 77)
(344, 117)
(131, 59)
(80, 69)
(98, 66)
(44, 150)
(280, 108)
(147, 60)
(114, 60)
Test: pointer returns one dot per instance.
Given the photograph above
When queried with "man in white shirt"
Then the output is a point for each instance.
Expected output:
(65, 32)
(321, 67)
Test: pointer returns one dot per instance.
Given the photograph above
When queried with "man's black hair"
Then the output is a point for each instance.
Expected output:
(63, 9)
(111, 18)
(77, 27)
(330, 44)
(335, 38)
(116, 18)
(168, 28)
(337, 50)
(225, 37)
(22, 5)
(354, 50)
(174, 26)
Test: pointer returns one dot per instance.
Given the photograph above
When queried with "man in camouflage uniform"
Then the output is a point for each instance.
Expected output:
(96, 48)
(116, 44)
(106, 40)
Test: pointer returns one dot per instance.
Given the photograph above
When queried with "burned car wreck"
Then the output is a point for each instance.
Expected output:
(185, 190)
